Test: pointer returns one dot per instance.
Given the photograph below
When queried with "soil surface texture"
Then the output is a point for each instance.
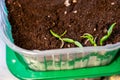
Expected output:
(32, 20)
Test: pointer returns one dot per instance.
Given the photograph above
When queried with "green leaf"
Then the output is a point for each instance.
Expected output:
(111, 29)
(103, 39)
(109, 32)
(88, 35)
(68, 40)
(63, 33)
(78, 44)
(54, 34)
(90, 38)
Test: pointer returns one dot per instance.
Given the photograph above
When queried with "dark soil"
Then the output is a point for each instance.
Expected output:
(31, 21)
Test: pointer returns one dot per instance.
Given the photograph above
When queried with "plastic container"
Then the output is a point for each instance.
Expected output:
(56, 59)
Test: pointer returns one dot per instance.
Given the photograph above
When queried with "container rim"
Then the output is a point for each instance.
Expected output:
(108, 47)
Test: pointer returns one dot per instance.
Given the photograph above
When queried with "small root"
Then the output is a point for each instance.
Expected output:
(86, 41)
(62, 44)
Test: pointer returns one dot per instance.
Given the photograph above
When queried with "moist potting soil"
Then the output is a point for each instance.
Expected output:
(32, 20)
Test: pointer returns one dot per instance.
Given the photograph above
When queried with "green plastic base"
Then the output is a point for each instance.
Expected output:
(22, 72)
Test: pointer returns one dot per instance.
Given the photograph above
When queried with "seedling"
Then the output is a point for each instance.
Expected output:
(109, 32)
(68, 40)
(90, 38)
(86, 35)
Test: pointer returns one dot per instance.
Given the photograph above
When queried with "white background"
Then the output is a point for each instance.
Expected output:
(4, 72)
